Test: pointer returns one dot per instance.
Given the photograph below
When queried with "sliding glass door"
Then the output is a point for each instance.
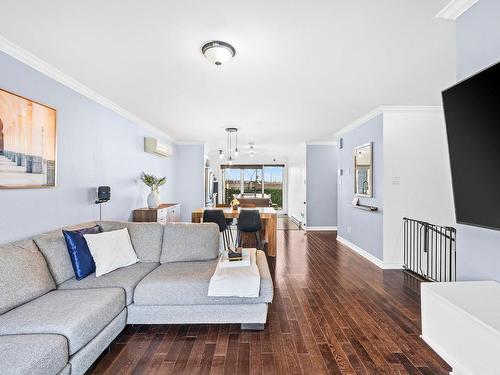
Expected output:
(260, 184)
(273, 184)
(252, 180)
(231, 181)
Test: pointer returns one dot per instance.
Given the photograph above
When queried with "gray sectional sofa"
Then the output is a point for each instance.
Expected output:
(50, 323)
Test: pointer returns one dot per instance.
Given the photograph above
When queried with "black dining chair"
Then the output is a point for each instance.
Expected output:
(249, 222)
(229, 220)
(217, 217)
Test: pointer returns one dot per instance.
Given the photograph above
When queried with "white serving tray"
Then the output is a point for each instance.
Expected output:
(245, 262)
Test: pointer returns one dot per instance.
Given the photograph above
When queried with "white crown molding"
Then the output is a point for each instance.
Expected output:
(455, 9)
(322, 143)
(411, 108)
(187, 143)
(386, 109)
(43, 67)
(360, 121)
(365, 254)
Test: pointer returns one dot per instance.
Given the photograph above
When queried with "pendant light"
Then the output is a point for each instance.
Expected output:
(252, 150)
(231, 153)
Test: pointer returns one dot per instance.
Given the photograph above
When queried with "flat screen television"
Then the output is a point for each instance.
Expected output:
(472, 113)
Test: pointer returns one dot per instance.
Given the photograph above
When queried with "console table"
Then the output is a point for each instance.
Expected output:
(166, 213)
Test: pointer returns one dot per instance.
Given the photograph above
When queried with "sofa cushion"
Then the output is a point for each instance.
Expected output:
(33, 354)
(79, 315)
(79, 253)
(185, 242)
(86, 356)
(146, 238)
(126, 278)
(54, 248)
(24, 274)
(186, 283)
(111, 250)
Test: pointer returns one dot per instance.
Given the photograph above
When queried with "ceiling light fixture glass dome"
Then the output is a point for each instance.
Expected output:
(218, 52)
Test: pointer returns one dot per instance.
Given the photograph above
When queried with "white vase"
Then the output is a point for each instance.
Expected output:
(153, 199)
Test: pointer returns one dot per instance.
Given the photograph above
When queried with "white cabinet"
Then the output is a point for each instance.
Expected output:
(166, 213)
(461, 322)
(173, 213)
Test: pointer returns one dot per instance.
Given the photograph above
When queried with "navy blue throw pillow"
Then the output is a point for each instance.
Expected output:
(81, 258)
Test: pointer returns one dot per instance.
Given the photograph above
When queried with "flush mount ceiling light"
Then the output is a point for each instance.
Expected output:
(218, 52)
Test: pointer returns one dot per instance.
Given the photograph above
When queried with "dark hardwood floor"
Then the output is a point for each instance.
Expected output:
(333, 312)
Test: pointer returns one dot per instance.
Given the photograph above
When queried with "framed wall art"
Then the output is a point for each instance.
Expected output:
(27, 143)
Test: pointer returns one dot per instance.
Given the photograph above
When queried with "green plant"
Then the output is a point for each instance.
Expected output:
(152, 181)
(230, 193)
(276, 196)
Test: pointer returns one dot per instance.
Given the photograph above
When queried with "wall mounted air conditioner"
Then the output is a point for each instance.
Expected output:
(153, 146)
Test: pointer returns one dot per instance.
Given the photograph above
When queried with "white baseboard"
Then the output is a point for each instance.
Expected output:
(321, 229)
(365, 254)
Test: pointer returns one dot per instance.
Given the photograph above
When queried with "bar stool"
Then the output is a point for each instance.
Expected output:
(217, 217)
(249, 222)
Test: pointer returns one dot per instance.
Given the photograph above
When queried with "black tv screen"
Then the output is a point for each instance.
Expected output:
(472, 112)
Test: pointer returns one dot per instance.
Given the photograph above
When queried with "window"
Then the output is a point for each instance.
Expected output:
(267, 180)
(252, 181)
(231, 180)
(273, 185)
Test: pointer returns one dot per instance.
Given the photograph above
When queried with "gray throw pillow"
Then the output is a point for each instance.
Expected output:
(186, 242)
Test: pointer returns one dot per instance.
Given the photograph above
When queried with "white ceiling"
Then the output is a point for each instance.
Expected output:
(302, 70)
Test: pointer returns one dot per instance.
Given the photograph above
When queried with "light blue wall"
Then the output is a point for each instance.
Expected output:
(362, 228)
(478, 46)
(321, 188)
(478, 38)
(95, 147)
(190, 179)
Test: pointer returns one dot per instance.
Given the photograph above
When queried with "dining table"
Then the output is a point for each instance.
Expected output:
(268, 216)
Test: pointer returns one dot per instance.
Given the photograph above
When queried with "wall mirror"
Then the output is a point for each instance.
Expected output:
(363, 171)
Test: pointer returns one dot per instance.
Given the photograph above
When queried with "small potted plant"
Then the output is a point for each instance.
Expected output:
(235, 204)
(154, 183)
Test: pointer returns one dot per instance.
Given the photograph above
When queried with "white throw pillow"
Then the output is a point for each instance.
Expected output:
(111, 250)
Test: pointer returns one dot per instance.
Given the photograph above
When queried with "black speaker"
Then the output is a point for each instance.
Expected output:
(103, 194)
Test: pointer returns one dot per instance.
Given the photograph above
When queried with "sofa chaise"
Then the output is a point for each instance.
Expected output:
(51, 323)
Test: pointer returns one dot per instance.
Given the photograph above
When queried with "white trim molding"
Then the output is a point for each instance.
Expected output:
(455, 9)
(194, 143)
(360, 121)
(322, 143)
(50, 71)
(386, 109)
(365, 254)
(321, 229)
